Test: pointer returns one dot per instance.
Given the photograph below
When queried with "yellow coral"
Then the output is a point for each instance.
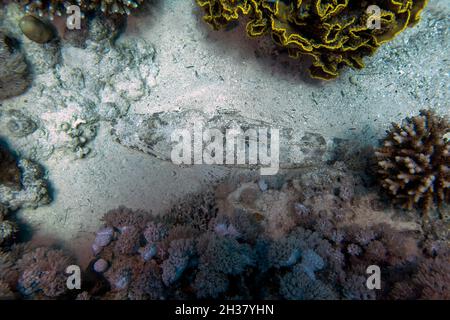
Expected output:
(335, 33)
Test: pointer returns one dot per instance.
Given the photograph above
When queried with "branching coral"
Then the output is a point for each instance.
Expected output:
(234, 254)
(36, 273)
(42, 273)
(414, 162)
(14, 77)
(58, 7)
(334, 33)
(431, 282)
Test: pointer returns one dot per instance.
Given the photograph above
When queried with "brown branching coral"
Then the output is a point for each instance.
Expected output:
(42, 273)
(14, 77)
(414, 162)
(58, 7)
(334, 33)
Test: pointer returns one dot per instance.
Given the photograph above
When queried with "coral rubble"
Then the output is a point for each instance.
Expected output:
(414, 162)
(14, 76)
(333, 33)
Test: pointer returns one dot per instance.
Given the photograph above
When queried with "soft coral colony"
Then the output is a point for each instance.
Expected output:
(335, 33)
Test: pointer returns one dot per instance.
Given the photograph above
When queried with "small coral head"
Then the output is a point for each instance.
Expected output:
(414, 160)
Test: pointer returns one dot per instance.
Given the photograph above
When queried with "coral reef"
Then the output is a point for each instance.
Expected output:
(14, 76)
(413, 162)
(58, 7)
(241, 247)
(233, 252)
(333, 33)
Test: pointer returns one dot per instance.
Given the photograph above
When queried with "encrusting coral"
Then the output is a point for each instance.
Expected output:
(334, 33)
(58, 7)
(14, 77)
(414, 162)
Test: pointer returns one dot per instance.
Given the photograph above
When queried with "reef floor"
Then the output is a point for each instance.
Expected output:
(168, 60)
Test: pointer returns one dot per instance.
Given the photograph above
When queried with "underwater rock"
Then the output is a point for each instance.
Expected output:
(14, 75)
(101, 265)
(18, 124)
(102, 239)
(414, 162)
(33, 190)
(8, 228)
(35, 29)
(334, 33)
(107, 28)
(9, 171)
